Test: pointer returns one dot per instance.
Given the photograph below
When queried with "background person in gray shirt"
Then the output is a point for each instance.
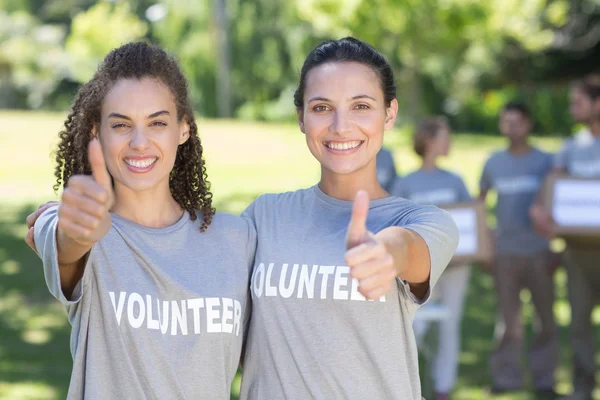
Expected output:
(432, 185)
(386, 169)
(341, 267)
(154, 282)
(522, 256)
(580, 157)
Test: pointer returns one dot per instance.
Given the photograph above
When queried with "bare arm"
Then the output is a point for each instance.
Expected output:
(410, 256)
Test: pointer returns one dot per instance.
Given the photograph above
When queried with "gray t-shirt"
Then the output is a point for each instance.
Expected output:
(436, 186)
(386, 169)
(580, 158)
(516, 179)
(159, 313)
(312, 334)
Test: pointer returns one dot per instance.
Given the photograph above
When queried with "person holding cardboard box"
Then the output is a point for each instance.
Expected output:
(522, 256)
(579, 158)
(432, 185)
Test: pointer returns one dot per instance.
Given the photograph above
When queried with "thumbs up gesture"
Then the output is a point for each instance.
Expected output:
(83, 213)
(369, 260)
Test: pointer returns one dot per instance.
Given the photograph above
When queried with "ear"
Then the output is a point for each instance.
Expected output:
(300, 113)
(184, 131)
(391, 113)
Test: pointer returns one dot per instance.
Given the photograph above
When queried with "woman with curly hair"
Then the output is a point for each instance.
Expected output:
(154, 281)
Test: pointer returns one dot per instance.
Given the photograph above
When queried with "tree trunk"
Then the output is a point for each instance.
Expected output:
(223, 73)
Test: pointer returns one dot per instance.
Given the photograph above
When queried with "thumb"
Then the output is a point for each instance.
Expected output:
(357, 228)
(96, 159)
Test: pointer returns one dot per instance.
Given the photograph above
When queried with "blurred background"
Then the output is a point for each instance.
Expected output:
(460, 58)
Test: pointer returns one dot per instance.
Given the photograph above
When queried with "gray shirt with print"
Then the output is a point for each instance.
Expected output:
(580, 157)
(312, 334)
(436, 186)
(159, 313)
(517, 180)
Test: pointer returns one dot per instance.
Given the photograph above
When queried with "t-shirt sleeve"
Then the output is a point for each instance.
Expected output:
(251, 252)
(252, 241)
(485, 182)
(45, 241)
(250, 211)
(440, 233)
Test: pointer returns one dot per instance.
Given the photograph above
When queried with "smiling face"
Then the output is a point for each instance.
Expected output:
(140, 134)
(344, 116)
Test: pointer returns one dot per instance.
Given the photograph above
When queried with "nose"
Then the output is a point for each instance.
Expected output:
(340, 124)
(139, 141)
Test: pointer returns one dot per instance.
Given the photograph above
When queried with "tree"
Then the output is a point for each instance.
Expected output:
(97, 31)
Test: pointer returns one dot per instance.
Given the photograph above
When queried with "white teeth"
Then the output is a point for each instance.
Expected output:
(343, 145)
(141, 163)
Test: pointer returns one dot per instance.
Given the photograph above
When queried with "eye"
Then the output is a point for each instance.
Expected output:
(158, 123)
(362, 106)
(320, 108)
(119, 125)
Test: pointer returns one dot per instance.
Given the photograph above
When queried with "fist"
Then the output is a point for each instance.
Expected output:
(367, 256)
(83, 213)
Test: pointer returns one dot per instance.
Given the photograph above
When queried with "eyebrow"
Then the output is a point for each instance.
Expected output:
(360, 96)
(153, 115)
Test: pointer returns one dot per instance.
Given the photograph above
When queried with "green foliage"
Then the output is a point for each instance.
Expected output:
(448, 55)
(31, 56)
(96, 32)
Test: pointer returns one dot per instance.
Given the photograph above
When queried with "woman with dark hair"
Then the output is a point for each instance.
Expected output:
(154, 282)
(433, 185)
(341, 267)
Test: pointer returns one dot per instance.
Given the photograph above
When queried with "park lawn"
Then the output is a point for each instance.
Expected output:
(244, 159)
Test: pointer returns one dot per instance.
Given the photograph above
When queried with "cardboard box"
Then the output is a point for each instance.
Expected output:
(574, 204)
(475, 240)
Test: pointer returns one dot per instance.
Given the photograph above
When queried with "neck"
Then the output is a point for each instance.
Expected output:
(153, 208)
(345, 186)
(519, 147)
(429, 162)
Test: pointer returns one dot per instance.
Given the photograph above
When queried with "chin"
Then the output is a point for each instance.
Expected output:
(341, 168)
(141, 185)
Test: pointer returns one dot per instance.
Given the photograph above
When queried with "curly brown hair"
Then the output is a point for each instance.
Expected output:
(188, 179)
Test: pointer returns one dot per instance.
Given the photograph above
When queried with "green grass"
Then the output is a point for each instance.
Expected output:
(243, 160)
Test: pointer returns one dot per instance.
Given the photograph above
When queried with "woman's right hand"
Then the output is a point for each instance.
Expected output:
(83, 214)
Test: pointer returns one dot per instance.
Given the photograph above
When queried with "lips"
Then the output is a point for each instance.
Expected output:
(342, 146)
(140, 164)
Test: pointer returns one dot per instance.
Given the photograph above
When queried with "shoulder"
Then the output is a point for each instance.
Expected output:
(412, 176)
(539, 153)
(384, 153)
(569, 144)
(497, 155)
(454, 177)
(450, 174)
(228, 225)
(272, 199)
